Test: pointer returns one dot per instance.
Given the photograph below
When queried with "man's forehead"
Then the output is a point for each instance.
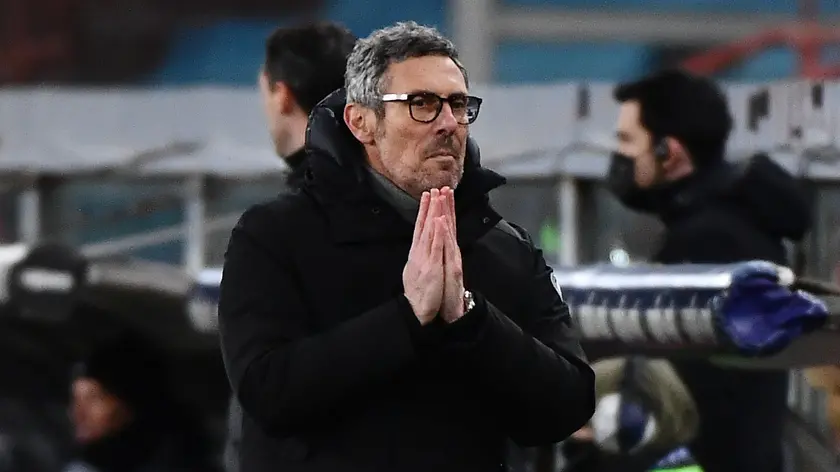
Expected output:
(629, 110)
(628, 116)
(437, 74)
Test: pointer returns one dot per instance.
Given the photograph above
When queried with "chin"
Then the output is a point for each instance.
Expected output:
(440, 181)
(444, 173)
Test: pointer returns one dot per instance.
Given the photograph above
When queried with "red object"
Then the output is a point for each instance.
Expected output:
(34, 33)
(807, 38)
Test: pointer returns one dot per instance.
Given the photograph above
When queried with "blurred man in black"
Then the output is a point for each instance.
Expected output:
(303, 65)
(125, 416)
(672, 134)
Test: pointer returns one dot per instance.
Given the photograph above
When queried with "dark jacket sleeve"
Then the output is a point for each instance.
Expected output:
(543, 386)
(285, 377)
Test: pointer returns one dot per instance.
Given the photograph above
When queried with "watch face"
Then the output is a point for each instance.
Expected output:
(469, 302)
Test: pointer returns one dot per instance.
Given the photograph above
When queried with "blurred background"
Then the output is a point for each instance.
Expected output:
(132, 136)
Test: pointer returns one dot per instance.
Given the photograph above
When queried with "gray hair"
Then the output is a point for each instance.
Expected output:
(364, 78)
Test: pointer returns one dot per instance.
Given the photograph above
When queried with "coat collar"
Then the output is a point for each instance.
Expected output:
(363, 216)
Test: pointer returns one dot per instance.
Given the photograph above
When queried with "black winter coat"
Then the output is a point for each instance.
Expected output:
(297, 169)
(294, 180)
(332, 368)
(732, 214)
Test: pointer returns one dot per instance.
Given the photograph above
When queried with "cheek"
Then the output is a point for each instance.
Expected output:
(98, 415)
(270, 113)
(463, 133)
(401, 147)
(644, 172)
(266, 103)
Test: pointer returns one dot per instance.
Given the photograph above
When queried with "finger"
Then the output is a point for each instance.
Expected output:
(438, 241)
(434, 208)
(442, 205)
(420, 223)
(450, 199)
(451, 249)
(424, 245)
(447, 248)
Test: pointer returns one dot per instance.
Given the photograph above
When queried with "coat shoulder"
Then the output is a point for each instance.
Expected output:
(511, 235)
(279, 219)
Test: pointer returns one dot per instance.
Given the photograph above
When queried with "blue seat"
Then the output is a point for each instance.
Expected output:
(538, 62)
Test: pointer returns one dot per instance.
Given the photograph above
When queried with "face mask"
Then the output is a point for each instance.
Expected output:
(621, 180)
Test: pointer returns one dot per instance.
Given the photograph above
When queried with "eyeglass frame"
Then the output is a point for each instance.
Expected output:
(407, 97)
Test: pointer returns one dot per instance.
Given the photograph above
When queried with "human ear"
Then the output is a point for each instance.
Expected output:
(678, 162)
(361, 121)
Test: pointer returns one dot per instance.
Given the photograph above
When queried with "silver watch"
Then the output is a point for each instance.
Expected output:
(469, 301)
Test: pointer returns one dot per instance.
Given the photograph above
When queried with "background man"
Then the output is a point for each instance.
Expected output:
(303, 64)
(363, 327)
(672, 134)
(125, 416)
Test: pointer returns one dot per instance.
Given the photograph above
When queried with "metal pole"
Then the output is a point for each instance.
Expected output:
(569, 219)
(29, 213)
(194, 224)
(472, 29)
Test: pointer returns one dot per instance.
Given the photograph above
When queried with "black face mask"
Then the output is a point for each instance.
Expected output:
(621, 180)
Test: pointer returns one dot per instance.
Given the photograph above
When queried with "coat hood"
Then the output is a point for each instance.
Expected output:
(773, 198)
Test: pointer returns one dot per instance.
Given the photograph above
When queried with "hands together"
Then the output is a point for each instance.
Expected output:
(433, 275)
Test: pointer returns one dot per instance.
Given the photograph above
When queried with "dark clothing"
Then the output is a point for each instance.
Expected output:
(586, 456)
(130, 367)
(332, 368)
(233, 439)
(165, 435)
(146, 447)
(294, 181)
(297, 168)
(724, 215)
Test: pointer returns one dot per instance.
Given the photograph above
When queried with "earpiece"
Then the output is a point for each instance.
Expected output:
(661, 151)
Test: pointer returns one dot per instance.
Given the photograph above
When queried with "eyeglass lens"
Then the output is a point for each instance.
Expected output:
(427, 107)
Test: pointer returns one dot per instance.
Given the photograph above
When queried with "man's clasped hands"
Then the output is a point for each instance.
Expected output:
(433, 276)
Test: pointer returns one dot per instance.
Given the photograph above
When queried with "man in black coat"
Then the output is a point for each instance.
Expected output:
(125, 416)
(362, 329)
(303, 64)
(672, 134)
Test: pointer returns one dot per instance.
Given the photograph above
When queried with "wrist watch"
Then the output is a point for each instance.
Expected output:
(469, 301)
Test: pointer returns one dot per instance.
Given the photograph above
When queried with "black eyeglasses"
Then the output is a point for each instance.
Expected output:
(425, 107)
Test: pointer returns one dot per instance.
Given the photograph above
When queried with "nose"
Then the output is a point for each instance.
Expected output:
(446, 122)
